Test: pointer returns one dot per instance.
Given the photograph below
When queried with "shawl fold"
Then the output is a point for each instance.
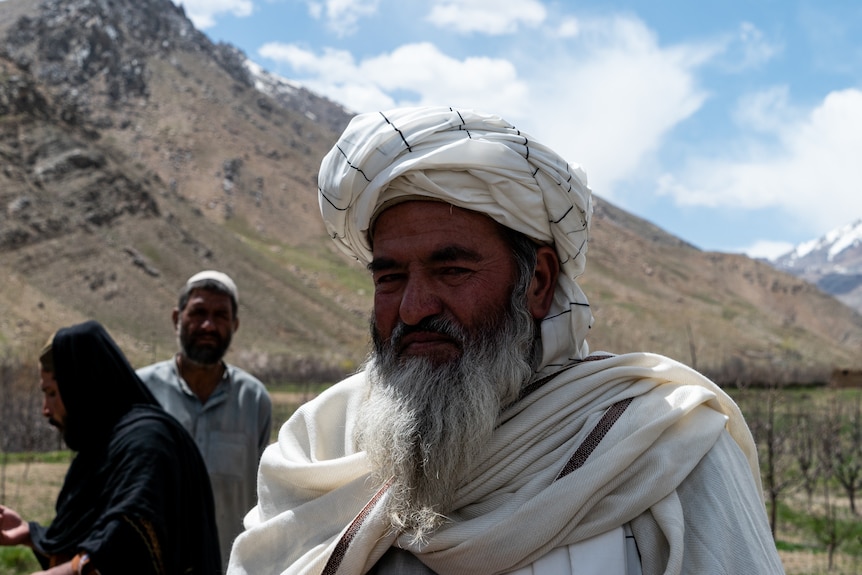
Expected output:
(318, 511)
(314, 488)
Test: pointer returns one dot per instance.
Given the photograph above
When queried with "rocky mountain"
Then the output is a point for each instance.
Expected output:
(832, 262)
(134, 152)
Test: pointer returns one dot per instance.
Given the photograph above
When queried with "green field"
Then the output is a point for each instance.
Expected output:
(808, 522)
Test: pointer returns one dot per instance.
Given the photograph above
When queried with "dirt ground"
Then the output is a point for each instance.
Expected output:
(810, 563)
(290, 397)
(31, 488)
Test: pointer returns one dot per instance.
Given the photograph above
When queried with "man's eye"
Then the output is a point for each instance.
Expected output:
(387, 278)
(455, 271)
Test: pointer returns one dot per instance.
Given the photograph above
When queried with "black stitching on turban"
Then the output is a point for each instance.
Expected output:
(475, 161)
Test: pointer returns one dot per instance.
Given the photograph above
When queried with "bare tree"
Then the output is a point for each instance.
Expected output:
(844, 446)
(849, 472)
(832, 527)
(804, 445)
(769, 426)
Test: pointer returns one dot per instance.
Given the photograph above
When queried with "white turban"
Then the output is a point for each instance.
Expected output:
(477, 162)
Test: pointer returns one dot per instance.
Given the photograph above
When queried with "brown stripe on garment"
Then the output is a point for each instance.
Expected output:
(341, 547)
(595, 437)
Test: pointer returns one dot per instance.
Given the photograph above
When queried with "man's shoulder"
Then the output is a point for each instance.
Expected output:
(245, 380)
(347, 394)
(162, 371)
(633, 364)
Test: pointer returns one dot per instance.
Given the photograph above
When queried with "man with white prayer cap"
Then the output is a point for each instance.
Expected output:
(227, 410)
(482, 436)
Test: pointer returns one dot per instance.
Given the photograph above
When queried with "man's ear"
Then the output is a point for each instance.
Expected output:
(540, 294)
(175, 317)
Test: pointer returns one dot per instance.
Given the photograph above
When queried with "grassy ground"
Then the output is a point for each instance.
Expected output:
(30, 485)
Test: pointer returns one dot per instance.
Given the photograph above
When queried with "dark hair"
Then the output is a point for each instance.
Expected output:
(208, 285)
(525, 252)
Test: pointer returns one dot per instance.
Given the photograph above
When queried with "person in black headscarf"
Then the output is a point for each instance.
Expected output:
(137, 498)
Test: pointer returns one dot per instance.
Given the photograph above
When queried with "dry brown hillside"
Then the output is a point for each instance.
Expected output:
(136, 152)
(650, 291)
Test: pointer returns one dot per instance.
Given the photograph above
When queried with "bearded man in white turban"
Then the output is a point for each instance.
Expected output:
(482, 436)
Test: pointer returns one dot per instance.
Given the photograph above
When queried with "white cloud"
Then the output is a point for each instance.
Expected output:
(203, 13)
(411, 75)
(604, 98)
(812, 172)
(607, 100)
(767, 249)
(754, 49)
(439, 79)
(342, 16)
(493, 17)
(767, 111)
(568, 27)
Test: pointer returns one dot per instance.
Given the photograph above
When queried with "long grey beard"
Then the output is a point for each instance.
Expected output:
(424, 425)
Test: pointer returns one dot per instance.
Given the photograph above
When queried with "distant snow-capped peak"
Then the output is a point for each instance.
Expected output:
(829, 245)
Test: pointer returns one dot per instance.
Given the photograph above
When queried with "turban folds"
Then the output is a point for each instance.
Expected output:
(477, 162)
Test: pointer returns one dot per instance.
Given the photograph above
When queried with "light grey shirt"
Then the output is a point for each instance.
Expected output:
(231, 430)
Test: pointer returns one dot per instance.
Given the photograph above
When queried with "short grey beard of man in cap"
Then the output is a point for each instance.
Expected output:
(200, 353)
(190, 343)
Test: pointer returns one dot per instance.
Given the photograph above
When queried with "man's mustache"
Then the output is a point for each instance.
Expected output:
(438, 325)
(215, 337)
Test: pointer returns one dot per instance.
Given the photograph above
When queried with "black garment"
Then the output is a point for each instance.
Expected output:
(137, 496)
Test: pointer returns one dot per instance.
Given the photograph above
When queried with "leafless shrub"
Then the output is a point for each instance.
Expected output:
(24, 429)
(308, 370)
(842, 446)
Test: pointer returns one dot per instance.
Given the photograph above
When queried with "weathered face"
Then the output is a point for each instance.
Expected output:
(205, 326)
(52, 404)
(432, 260)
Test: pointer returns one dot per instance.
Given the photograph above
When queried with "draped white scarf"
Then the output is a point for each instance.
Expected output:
(317, 505)
(478, 162)
(510, 510)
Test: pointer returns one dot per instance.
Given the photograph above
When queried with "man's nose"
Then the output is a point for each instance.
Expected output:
(419, 301)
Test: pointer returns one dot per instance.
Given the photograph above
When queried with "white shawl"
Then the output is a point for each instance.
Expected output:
(314, 488)
(318, 512)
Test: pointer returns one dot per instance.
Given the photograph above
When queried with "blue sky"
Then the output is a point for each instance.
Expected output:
(736, 125)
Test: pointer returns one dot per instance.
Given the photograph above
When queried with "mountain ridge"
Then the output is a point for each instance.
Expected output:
(136, 152)
(833, 262)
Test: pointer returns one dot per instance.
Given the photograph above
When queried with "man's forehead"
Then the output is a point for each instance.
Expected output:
(421, 215)
(206, 296)
(449, 234)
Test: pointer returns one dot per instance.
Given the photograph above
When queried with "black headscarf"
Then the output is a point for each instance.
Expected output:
(96, 382)
(137, 496)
